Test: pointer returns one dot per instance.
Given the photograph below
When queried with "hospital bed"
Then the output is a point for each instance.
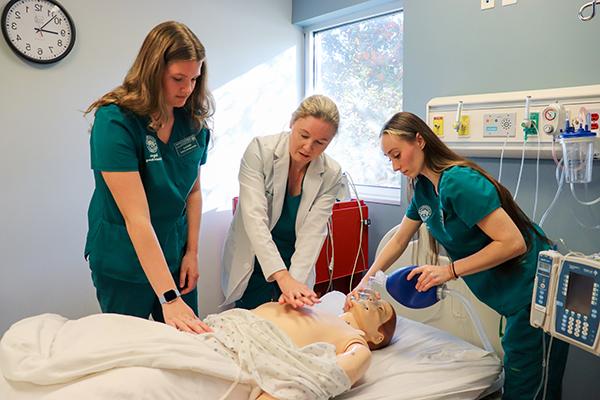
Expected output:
(423, 362)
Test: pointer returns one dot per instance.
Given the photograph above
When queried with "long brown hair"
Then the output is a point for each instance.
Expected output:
(439, 157)
(141, 90)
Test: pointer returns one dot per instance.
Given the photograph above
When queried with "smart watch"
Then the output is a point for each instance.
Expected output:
(169, 296)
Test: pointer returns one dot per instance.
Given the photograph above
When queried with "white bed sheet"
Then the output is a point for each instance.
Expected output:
(422, 363)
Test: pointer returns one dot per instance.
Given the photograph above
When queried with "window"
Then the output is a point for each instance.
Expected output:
(359, 65)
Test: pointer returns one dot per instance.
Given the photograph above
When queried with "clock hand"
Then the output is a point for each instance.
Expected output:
(47, 22)
(44, 30)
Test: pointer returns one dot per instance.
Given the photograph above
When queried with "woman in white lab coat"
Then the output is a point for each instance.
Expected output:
(287, 189)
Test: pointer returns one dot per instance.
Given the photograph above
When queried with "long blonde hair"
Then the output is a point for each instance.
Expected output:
(439, 157)
(141, 90)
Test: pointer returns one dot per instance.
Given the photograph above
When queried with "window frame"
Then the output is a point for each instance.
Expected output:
(372, 193)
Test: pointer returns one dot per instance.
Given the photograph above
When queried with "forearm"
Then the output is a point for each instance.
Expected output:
(150, 255)
(490, 256)
(390, 253)
(395, 247)
(194, 217)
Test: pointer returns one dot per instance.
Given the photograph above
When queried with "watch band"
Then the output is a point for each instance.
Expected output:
(169, 296)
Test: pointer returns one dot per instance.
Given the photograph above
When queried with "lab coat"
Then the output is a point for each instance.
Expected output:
(263, 183)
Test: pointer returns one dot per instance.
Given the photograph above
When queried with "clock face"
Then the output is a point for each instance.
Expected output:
(38, 30)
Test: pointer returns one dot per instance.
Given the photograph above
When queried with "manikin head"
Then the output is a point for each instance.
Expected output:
(376, 318)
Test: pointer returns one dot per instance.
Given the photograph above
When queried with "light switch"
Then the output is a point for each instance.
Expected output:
(508, 2)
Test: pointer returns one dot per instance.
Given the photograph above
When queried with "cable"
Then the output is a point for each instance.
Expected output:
(581, 224)
(362, 224)
(560, 182)
(485, 341)
(544, 366)
(585, 203)
(537, 172)
(502, 157)
(547, 367)
(554, 151)
(520, 170)
(331, 265)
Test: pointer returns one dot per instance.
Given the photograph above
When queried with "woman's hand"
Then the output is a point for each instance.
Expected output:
(293, 292)
(354, 294)
(179, 315)
(430, 276)
(188, 274)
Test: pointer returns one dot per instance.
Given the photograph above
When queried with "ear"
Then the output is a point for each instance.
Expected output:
(420, 141)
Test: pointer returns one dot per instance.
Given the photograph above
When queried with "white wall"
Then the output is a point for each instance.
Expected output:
(255, 69)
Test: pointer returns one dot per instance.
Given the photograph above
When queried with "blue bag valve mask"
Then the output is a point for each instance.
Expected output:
(402, 290)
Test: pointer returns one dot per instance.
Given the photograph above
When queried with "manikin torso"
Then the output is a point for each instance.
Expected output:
(306, 325)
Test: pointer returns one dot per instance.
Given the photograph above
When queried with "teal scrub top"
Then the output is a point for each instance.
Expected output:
(121, 141)
(465, 198)
(284, 231)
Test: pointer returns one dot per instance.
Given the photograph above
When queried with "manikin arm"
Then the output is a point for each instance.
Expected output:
(355, 361)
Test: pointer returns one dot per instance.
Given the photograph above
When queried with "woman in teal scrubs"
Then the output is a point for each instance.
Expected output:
(147, 143)
(490, 241)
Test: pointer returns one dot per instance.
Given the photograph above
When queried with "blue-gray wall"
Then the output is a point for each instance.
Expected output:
(452, 48)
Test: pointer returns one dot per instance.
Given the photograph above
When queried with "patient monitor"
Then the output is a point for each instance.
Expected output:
(565, 298)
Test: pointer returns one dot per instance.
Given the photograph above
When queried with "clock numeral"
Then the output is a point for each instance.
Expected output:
(38, 7)
(50, 48)
(27, 46)
(18, 38)
(17, 14)
(13, 26)
(63, 32)
(57, 21)
(27, 9)
(49, 13)
(40, 51)
(59, 43)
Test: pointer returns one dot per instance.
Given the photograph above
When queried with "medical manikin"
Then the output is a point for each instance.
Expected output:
(277, 351)
(368, 326)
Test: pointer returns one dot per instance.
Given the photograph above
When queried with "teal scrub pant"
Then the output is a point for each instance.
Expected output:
(523, 354)
(136, 299)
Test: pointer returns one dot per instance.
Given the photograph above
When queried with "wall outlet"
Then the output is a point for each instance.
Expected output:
(486, 4)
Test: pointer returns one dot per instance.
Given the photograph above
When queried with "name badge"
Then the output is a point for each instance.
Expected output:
(186, 145)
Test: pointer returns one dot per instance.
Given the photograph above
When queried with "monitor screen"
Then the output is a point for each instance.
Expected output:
(579, 293)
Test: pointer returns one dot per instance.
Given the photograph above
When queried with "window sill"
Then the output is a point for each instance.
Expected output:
(380, 194)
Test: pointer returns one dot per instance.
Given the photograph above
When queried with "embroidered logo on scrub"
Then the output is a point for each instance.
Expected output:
(152, 147)
(424, 212)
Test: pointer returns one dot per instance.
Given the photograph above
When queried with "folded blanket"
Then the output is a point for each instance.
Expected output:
(49, 349)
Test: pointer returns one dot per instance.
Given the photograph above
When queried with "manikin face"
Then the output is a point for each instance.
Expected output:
(405, 156)
(370, 314)
(309, 138)
(179, 81)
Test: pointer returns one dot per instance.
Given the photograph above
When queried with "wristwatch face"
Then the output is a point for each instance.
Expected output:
(170, 295)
